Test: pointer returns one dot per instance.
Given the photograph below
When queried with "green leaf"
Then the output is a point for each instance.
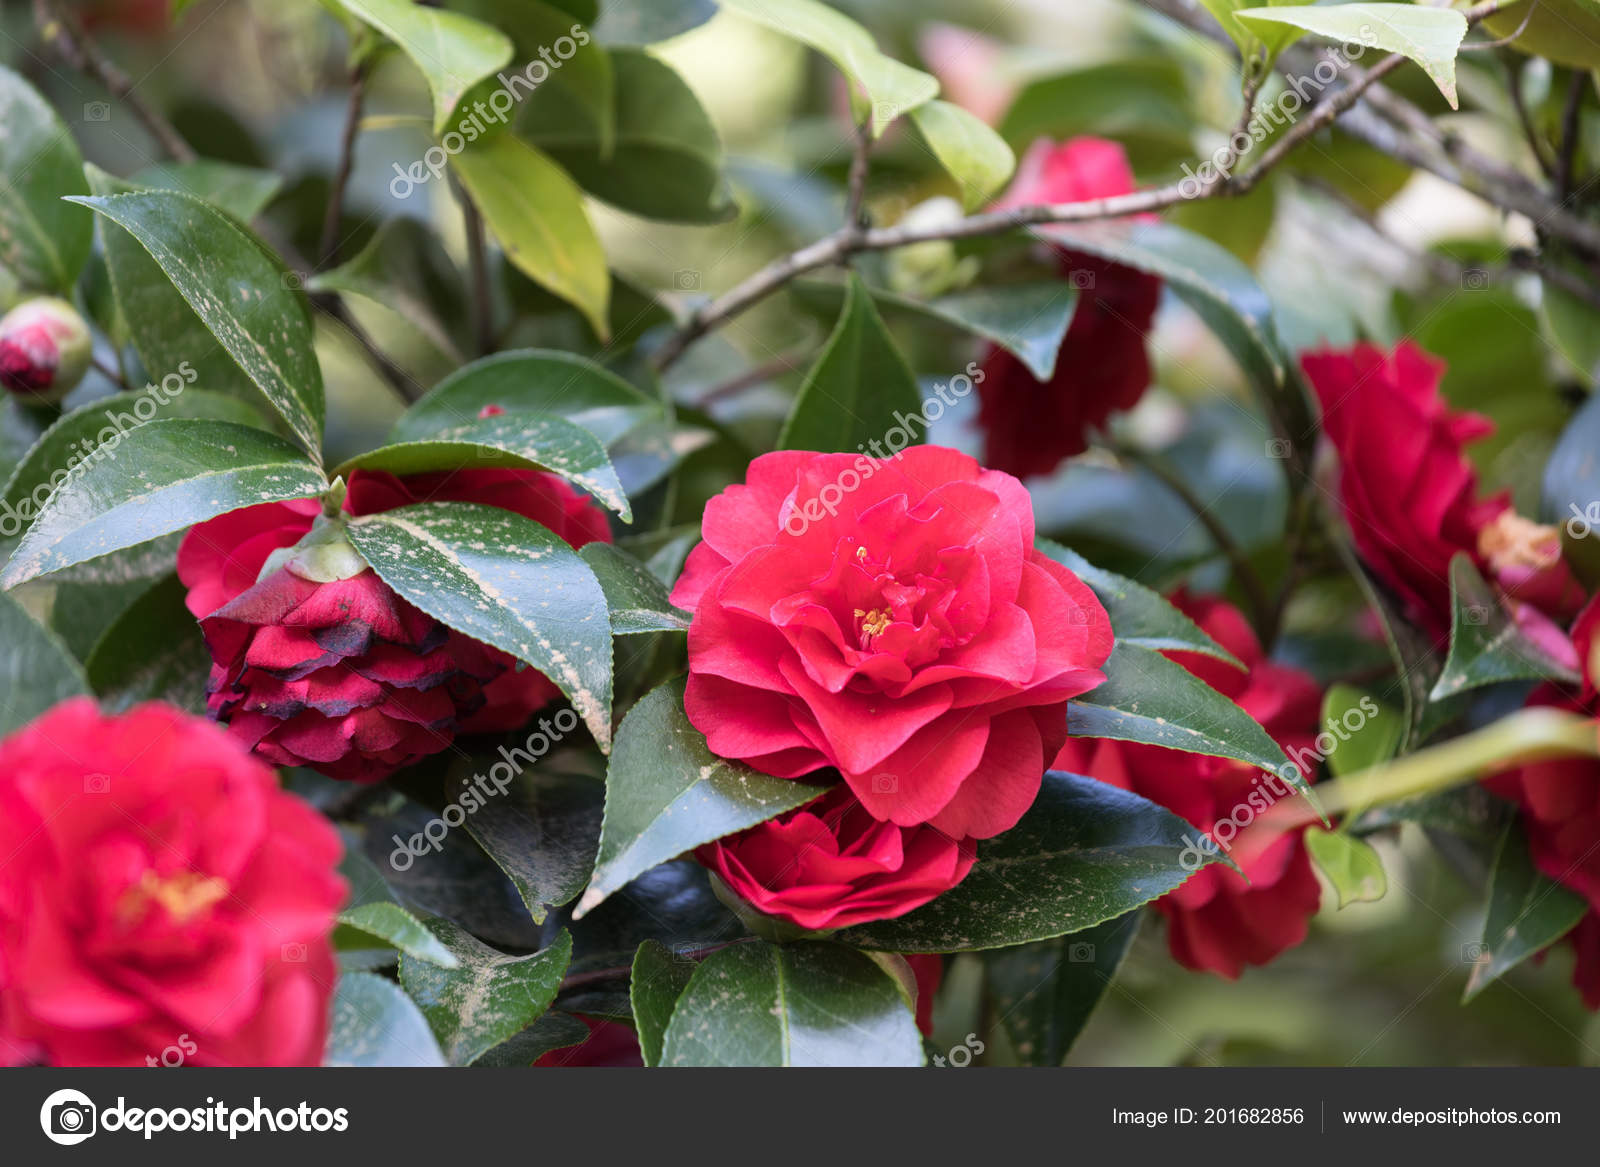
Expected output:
(1149, 699)
(1429, 36)
(92, 433)
(153, 651)
(665, 161)
(1528, 911)
(973, 154)
(403, 268)
(1366, 732)
(242, 191)
(536, 211)
(1045, 993)
(489, 997)
(44, 242)
(667, 793)
(1085, 853)
(1486, 645)
(1027, 320)
(399, 929)
(36, 669)
(659, 978)
(506, 581)
(808, 1004)
(167, 475)
(375, 1024)
(542, 832)
(891, 89)
(645, 22)
(531, 381)
(859, 384)
(551, 1032)
(1138, 615)
(1143, 102)
(239, 293)
(1352, 866)
(638, 600)
(536, 441)
(454, 52)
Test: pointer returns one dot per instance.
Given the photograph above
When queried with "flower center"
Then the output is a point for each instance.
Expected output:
(873, 624)
(183, 896)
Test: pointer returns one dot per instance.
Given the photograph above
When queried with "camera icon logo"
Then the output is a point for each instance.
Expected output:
(885, 784)
(67, 1117)
(687, 280)
(97, 111)
(1474, 279)
(1081, 279)
(97, 783)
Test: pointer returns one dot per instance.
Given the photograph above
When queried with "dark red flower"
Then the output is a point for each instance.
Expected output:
(609, 1044)
(928, 970)
(159, 891)
(1030, 426)
(889, 618)
(1216, 920)
(830, 864)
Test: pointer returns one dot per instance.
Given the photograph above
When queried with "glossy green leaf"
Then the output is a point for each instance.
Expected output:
(537, 441)
(36, 669)
(375, 1024)
(242, 191)
(1142, 102)
(167, 475)
(758, 1004)
(1364, 731)
(489, 997)
(667, 793)
(1353, 866)
(973, 154)
(44, 242)
(1138, 615)
(536, 211)
(645, 22)
(454, 52)
(1045, 993)
(891, 89)
(665, 159)
(404, 268)
(1486, 645)
(153, 651)
(857, 389)
(1086, 852)
(532, 381)
(659, 978)
(638, 600)
(399, 929)
(1149, 699)
(1429, 36)
(239, 293)
(506, 581)
(1528, 911)
(553, 1031)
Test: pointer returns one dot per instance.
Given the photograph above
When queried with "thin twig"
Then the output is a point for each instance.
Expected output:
(777, 366)
(62, 30)
(860, 159)
(329, 246)
(1569, 134)
(113, 375)
(478, 258)
(1529, 130)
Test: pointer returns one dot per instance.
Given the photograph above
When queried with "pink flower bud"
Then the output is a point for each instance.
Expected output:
(44, 349)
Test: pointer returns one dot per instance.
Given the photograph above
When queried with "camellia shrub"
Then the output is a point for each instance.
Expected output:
(757, 532)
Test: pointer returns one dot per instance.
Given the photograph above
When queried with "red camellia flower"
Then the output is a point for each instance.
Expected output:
(609, 1044)
(342, 675)
(830, 864)
(159, 891)
(1216, 920)
(892, 619)
(1102, 368)
(1560, 804)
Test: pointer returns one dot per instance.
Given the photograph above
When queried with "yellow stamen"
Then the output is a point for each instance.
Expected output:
(861, 554)
(183, 896)
(873, 623)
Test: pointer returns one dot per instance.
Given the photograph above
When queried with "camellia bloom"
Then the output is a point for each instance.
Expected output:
(159, 891)
(44, 349)
(830, 864)
(892, 619)
(1030, 426)
(1216, 920)
(342, 675)
(609, 1044)
(1560, 803)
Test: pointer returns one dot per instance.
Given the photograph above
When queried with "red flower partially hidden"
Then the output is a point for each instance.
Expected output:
(346, 677)
(830, 864)
(609, 1044)
(1216, 920)
(1030, 426)
(889, 618)
(159, 891)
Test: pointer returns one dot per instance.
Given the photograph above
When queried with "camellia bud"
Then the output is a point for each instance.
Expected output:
(44, 349)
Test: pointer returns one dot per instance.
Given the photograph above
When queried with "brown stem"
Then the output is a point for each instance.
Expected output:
(329, 246)
(478, 257)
